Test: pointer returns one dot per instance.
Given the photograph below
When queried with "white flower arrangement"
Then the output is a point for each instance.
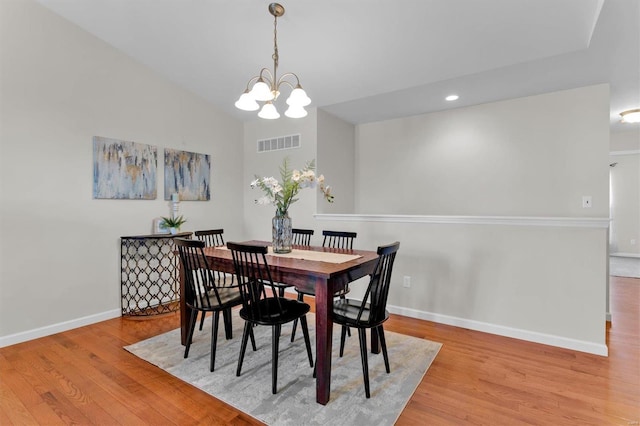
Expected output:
(282, 195)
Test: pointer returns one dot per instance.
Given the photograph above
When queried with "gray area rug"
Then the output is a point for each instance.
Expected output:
(624, 266)
(295, 402)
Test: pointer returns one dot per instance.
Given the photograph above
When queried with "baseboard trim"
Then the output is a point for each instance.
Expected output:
(530, 336)
(36, 333)
(563, 222)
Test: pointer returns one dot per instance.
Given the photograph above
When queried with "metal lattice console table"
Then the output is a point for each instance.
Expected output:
(149, 274)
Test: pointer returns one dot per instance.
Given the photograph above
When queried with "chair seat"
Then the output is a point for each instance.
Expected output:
(281, 287)
(221, 279)
(270, 315)
(228, 296)
(345, 312)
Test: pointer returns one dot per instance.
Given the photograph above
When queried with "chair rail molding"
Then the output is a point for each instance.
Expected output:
(571, 222)
(631, 152)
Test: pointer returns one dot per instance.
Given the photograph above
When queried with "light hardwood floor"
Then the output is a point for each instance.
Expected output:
(84, 377)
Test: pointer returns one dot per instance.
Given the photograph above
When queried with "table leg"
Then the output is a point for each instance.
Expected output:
(324, 336)
(185, 311)
(375, 343)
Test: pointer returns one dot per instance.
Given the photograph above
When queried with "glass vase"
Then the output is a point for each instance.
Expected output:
(281, 233)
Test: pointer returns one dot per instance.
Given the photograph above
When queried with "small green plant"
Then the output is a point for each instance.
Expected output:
(172, 222)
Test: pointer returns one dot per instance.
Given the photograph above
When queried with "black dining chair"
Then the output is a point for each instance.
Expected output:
(332, 239)
(253, 277)
(370, 312)
(214, 238)
(302, 237)
(203, 292)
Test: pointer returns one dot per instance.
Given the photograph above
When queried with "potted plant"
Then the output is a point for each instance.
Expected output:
(172, 223)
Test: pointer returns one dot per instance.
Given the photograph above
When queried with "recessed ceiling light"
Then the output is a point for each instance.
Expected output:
(451, 98)
(631, 116)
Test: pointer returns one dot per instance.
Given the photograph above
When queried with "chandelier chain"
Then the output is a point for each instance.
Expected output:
(275, 46)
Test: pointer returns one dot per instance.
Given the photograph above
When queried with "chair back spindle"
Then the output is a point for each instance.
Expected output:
(302, 237)
(338, 239)
(211, 237)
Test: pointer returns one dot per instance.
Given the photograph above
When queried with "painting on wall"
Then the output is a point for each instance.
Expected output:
(124, 170)
(186, 174)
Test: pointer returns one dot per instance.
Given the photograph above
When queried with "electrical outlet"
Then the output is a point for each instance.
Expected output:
(633, 242)
(406, 281)
(586, 201)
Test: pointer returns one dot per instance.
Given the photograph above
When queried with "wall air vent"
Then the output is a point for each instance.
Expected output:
(279, 143)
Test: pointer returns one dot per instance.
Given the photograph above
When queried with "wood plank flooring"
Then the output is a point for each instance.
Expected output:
(83, 376)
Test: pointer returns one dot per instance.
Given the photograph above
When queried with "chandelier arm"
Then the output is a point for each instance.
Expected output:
(269, 77)
(252, 80)
(282, 80)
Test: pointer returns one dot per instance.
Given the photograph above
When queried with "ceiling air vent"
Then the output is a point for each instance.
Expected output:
(279, 143)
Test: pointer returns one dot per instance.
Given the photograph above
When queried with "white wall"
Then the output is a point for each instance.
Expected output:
(625, 193)
(523, 157)
(487, 204)
(474, 196)
(336, 159)
(325, 138)
(59, 259)
(257, 218)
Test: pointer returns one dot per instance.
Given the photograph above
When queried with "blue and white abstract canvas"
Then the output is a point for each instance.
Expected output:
(186, 174)
(124, 170)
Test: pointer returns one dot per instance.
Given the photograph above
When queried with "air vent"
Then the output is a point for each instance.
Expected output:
(279, 143)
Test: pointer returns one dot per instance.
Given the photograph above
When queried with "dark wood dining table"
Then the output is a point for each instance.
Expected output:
(323, 278)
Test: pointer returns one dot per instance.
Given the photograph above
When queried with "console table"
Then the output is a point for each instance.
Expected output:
(149, 274)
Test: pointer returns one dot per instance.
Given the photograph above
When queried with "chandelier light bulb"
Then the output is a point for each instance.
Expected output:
(269, 111)
(246, 102)
(631, 116)
(261, 91)
(298, 97)
(295, 112)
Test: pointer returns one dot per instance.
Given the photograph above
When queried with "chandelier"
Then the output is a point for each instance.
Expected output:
(266, 85)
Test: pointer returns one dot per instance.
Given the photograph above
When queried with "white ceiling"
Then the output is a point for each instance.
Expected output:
(369, 60)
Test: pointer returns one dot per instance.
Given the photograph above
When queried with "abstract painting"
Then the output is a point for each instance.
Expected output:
(124, 170)
(186, 174)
